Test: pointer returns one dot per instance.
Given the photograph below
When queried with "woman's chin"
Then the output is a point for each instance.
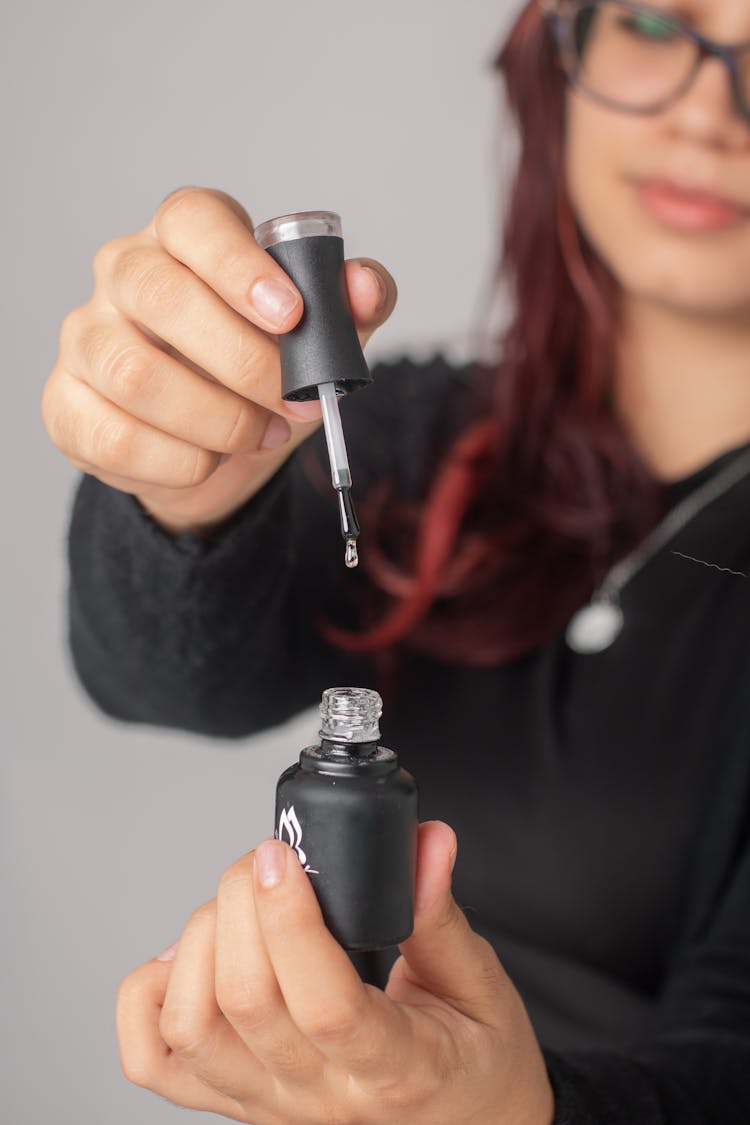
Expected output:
(690, 287)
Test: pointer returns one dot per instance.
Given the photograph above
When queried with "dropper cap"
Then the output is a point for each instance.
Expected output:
(324, 346)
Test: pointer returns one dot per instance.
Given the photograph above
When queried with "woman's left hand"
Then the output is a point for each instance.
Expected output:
(262, 1017)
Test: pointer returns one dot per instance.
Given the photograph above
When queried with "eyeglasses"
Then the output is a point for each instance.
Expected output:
(637, 58)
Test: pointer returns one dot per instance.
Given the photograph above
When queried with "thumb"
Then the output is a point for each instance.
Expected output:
(443, 955)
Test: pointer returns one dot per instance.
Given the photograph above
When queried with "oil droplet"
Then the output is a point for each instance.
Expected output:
(351, 558)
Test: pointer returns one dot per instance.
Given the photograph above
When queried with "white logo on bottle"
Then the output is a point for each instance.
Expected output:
(289, 823)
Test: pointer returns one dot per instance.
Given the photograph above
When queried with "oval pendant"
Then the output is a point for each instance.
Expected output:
(594, 627)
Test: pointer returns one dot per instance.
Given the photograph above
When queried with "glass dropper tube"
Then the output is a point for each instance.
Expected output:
(341, 476)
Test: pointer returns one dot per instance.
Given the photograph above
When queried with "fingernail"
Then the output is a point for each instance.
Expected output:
(278, 432)
(168, 954)
(309, 411)
(382, 287)
(273, 301)
(270, 861)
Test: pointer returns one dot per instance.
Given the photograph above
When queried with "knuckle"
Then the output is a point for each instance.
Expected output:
(185, 204)
(204, 915)
(183, 1031)
(137, 1067)
(136, 1063)
(333, 1025)
(147, 279)
(237, 874)
(130, 372)
(159, 285)
(126, 265)
(56, 415)
(183, 201)
(110, 441)
(286, 1057)
(403, 1096)
(49, 407)
(126, 369)
(129, 990)
(139, 1064)
(72, 329)
(243, 1005)
(94, 345)
(105, 259)
(234, 205)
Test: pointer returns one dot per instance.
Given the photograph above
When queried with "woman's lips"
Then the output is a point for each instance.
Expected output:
(686, 209)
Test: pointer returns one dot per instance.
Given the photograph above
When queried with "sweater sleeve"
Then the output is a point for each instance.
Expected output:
(694, 1069)
(187, 632)
(222, 635)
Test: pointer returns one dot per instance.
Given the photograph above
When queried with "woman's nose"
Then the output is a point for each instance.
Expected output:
(707, 113)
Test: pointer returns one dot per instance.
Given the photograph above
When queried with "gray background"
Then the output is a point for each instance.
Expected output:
(385, 112)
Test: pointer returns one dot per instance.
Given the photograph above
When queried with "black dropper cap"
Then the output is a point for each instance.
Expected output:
(324, 346)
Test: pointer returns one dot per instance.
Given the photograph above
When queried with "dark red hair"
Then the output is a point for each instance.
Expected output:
(543, 492)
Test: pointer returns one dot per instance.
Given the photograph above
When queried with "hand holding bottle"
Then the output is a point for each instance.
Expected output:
(167, 382)
(259, 1015)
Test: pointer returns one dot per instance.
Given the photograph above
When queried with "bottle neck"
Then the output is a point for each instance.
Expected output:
(348, 759)
(339, 749)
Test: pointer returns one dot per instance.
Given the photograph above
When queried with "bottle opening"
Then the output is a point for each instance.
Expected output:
(350, 714)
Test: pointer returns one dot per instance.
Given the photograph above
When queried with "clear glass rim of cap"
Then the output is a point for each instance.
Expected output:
(303, 224)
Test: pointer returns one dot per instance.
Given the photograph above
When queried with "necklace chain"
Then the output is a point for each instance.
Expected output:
(621, 573)
(595, 626)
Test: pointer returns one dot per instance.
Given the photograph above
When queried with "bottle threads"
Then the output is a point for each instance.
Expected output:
(350, 715)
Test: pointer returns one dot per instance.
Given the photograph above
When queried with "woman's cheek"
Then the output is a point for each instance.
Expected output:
(605, 154)
(602, 199)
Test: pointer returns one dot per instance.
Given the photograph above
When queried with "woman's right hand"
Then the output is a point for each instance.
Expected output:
(167, 383)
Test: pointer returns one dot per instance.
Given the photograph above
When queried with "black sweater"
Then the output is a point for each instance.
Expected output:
(600, 801)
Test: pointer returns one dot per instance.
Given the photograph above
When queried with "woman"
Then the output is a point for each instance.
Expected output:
(596, 774)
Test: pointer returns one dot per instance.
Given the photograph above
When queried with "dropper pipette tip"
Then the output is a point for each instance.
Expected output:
(351, 556)
(349, 526)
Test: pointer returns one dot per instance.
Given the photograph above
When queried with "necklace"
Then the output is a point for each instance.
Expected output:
(596, 626)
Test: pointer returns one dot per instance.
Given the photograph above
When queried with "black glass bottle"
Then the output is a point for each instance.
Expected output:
(350, 812)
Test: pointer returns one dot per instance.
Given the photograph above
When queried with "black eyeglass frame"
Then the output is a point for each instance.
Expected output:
(561, 15)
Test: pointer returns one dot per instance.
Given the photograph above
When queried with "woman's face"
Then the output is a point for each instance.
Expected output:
(665, 198)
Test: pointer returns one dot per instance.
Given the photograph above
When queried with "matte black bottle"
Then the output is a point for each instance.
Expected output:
(350, 813)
